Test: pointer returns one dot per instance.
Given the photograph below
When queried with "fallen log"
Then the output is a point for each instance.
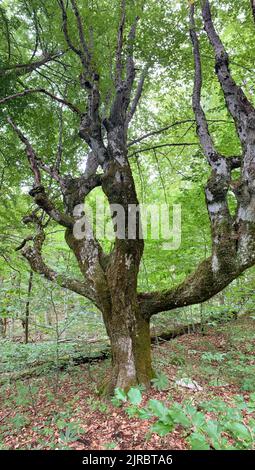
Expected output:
(174, 332)
(41, 368)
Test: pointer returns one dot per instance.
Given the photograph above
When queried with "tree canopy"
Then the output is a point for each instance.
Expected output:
(130, 101)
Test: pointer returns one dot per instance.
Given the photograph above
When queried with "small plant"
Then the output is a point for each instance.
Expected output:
(177, 360)
(19, 421)
(248, 384)
(213, 357)
(97, 405)
(134, 396)
(70, 433)
(160, 382)
(110, 445)
(226, 432)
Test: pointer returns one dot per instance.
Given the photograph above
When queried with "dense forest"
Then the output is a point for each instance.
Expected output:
(127, 215)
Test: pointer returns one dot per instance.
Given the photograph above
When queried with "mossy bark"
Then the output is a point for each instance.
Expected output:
(131, 352)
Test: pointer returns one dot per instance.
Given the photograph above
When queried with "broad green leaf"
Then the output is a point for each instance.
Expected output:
(134, 396)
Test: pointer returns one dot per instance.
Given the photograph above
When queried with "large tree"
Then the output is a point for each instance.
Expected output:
(106, 99)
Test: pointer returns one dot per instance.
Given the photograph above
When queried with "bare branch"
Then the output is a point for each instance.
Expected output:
(30, 152)
(65, 29)
(138, 95)
(154, 147)
(159, 131)
(38, 192)
(119, 63)
(202, 125)
(253, 8)
(34, 160)
(22, 69)
(45, 92)
(86, 53)
(169, 126)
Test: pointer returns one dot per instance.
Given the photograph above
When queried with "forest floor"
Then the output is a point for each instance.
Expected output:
(62, 410)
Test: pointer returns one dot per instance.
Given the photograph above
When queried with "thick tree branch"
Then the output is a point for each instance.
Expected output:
(130, 66)
(237, 103)
(34, 257)
(202, 125)
(200, 286)
(235, 162)
(39, 266)
(227, 260)
(123, 87)
(42, 201)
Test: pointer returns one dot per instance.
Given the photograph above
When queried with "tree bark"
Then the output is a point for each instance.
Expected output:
(128, 329)
(3, 327)
(129, 335)
(26, 323)
(253, 8)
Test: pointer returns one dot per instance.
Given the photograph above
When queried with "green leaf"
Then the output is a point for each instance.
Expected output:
(240, 431)
(160, 382)
(161, 428)
(198, 420)
(178, 415)
(212, 429)
(144, 413)
(159, 410)
(134, 396)
(198, 441)
(120, 394)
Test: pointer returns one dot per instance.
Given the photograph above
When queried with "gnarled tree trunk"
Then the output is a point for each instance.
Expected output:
(129, 336)
(110, 280)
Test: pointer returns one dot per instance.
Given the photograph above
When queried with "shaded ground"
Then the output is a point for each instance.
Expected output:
(63, 410)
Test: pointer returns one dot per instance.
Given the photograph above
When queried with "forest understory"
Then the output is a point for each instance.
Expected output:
(62, 409)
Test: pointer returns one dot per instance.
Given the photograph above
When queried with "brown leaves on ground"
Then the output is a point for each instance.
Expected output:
(100, 425)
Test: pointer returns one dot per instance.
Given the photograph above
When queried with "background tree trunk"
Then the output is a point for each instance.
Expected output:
(26, 323)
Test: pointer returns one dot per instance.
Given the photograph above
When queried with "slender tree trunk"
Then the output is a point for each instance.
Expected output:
(2, 329)
(26, 323)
